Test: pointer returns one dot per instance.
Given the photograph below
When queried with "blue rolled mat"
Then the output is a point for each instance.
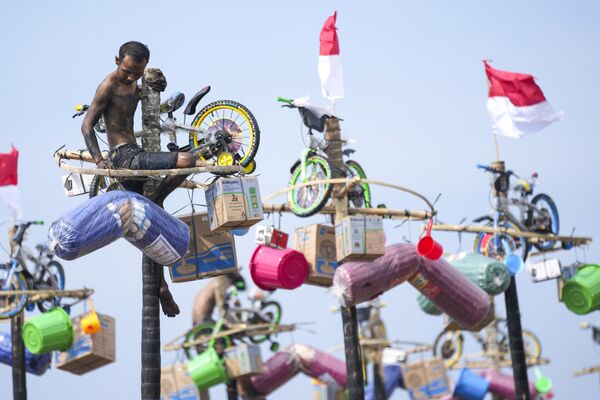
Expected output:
(34, 364)
(392, 379)
(99, 221)
(161, 236)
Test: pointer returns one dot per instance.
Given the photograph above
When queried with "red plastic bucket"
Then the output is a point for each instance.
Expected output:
(428, 247)
(272, 268)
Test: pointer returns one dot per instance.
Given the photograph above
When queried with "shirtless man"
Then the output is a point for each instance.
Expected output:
(116, 99)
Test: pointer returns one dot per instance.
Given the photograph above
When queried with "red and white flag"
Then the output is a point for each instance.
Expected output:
(330, 67)
(8, 182)
(516, 104)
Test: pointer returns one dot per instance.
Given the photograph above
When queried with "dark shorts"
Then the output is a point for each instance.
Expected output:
(131, 156)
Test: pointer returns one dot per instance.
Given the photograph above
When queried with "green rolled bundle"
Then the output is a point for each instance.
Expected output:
(581, 293)
(427, 305)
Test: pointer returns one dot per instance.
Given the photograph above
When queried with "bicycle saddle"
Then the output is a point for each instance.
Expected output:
(172, 103)
(190, 109)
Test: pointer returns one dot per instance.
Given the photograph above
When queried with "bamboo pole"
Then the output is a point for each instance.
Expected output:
(18, 358)
(383, 212)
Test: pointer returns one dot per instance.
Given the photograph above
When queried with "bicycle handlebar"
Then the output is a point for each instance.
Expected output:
(18, 238)
(494, 170)
(285, 100)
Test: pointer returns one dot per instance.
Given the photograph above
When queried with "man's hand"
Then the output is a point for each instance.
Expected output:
(102, 164)
(155, 79)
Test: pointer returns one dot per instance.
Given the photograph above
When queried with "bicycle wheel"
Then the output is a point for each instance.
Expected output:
(235, 123)
(101, 184)
(449, 346)
(543, 218)
(308, 200)
(51, 278)
(12, 305)
(486, 243)
(361, 195)
(203, 329)
(270, 312)
(531, 345)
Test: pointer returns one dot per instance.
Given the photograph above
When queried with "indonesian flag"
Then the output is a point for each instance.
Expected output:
(8, 182)
(330, 67)
(516, 104)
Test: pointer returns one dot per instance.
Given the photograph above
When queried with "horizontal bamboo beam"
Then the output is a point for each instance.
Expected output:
(39, 295)
(587, 371)
(383, 212)
(349, 186)
(484, 364)
(528, 236)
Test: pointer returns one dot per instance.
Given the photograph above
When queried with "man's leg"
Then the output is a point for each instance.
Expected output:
(167, 303)
(170, 183)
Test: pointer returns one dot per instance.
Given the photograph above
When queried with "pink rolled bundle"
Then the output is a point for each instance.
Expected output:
(317, 363)
(278, 369)
(503, 385)
(452, 292)
(358, 281)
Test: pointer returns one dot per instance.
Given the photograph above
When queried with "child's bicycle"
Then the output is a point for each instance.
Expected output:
(16, 276)
(313, 165)
(224, 132)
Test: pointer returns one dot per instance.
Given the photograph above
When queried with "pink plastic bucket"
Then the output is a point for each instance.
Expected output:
(272, 268)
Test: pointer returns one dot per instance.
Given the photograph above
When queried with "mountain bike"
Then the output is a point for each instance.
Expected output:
(539, 215)
(449, 345)
(260, 311)
(224, 132)
(313, 165)
(47, 274)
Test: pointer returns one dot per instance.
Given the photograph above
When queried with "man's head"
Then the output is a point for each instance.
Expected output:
(131, 61)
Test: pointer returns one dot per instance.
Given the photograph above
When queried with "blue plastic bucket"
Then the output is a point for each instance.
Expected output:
(470, 386)
(514, 263)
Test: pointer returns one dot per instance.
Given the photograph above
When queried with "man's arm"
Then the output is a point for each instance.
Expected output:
(99, 104)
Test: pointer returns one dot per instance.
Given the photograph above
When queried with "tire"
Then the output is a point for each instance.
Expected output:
(11, 306)
(101, 184)
(204, 328)
(52, 278)
(485, 243)
(214, 114)
(531, 344)
(550, 211)
(273, 316)
(318, 168)
(449, 346)
(365, 192)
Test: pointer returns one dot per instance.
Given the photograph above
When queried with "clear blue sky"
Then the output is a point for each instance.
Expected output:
(415, 102)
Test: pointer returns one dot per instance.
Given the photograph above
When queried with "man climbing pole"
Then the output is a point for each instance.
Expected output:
(116, 100)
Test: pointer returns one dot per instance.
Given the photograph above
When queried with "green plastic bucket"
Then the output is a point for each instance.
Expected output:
(581, 293)
(207, 369)
(50, 331)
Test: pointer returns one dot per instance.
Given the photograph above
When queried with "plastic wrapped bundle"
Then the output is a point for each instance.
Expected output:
(452, 292)
(503, 385)
(317, 363)
(34, 364)
(392, 376)
(358, 281)
(158, 234)
(278, 369)
(91, 226)
(427, 306)
(489, 274)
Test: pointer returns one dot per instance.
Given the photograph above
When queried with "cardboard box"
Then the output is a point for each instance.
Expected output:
(269, 236)
(546, 270)
(89, 351)
(391, 356)
(359, 237)
(243, 360)
(317, 243)
(325, 391)
(176, 384)
(425, 379)
(76, 184)
(233, 203)
(210, 253)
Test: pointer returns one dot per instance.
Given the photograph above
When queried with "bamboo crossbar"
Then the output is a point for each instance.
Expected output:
(245, 329)
(587, 371)
(483, 364)
(528, 236)
(38, 295)
(384, 212)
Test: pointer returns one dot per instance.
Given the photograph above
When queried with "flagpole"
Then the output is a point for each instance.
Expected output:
(497, 148)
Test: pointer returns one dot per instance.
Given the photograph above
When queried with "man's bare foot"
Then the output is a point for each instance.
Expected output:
(168, 305)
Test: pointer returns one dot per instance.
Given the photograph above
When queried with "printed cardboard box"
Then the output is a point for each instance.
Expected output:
(317, 243)
(76, 184)
(324, 391)
(233, 203)
(425, 379)
(359, 238)
(176, 384)
(243, 360)
(269, 236)
(210, 253)
(546, 270)
(89, 351)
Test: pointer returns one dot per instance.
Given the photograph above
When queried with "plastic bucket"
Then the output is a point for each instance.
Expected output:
(207, 369)
(470, 386)
(514, 263)
(90, 323)
(272, 268)
(50, 331)
(428, 247)
(581, 293)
